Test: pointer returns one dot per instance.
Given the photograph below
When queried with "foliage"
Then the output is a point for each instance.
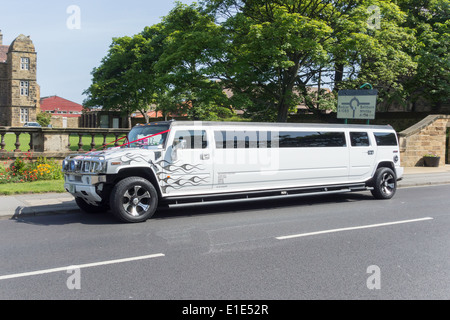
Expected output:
(161, 66)
(44, 119)
(24, 169)
(267, 54)
(121, 81)
(430, 155)
(430, 19)
(192, 44)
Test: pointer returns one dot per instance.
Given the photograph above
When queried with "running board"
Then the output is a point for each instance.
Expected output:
(262, 195)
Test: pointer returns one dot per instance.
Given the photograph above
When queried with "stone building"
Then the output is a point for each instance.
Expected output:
(19, 91)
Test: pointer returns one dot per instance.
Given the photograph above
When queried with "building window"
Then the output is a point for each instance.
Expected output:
(23, 115)
(24, 64)
(24, 88)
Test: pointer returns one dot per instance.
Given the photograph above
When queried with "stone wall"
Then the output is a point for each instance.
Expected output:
(426, 136)
(58, 122)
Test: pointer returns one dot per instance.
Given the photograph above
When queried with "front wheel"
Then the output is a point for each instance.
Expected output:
(385, 184)
(134, 199)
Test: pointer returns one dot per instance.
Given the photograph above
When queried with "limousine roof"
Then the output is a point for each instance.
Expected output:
(272, 124)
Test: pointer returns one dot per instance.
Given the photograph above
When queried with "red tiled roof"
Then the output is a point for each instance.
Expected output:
(60, 106)
(151, 114)
(3, 53)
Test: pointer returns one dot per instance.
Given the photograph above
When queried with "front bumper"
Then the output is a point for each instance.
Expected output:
(85, 186)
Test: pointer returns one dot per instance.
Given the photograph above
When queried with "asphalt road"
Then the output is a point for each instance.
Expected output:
(337, 247)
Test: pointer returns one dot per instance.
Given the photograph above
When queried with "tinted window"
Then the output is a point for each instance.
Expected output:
(241, 139)
(284, 139)
(315, 139)
(359, 139)
(385, 138)
(195, 139)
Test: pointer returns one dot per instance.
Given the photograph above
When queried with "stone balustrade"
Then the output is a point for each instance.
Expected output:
(56, 143)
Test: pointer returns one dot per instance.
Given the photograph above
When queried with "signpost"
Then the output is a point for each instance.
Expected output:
(357, 104)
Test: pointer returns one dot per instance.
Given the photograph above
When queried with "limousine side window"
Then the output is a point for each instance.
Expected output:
(314, 139)
(385, 138)
(274, 139)
(240, 139)
(195, 139)
(359, 139)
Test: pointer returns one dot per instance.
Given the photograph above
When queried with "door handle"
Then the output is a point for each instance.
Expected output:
(370, 152)
(204, 156)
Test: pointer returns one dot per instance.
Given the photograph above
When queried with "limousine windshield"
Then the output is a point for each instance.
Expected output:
(148, 136)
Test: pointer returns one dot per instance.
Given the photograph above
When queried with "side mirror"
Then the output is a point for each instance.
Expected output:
(177, 145)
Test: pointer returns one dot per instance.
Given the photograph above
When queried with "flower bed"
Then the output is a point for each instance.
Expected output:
(24, 169)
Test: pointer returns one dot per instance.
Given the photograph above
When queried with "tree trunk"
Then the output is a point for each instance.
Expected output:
(283, 109)
(289, 77)
(338, 76)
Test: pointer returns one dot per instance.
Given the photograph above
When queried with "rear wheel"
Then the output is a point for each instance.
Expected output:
(134, 199)
(385, 184)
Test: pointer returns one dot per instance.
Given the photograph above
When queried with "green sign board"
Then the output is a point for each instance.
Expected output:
(357, 104)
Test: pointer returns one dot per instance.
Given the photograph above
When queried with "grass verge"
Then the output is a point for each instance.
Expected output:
(42, 186)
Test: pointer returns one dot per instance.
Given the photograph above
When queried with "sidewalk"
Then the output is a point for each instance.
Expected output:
(53, 203)
(36, 204)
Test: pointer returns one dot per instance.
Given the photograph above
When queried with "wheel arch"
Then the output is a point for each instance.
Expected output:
(381, 164)
(386, 164)
(142, 172)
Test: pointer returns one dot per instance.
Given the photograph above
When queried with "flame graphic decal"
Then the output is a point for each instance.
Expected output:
(180, 181)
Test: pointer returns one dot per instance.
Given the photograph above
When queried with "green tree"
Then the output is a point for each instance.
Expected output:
(123, 82)
(430, 19)
(276, 49)
(44, 119)
(380, 55)
(164, 67)
(191, 46)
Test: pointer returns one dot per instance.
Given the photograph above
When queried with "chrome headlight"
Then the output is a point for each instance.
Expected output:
(73, 165)
(65, 165)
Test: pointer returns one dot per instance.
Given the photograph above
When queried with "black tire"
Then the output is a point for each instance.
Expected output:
(89, 208)
(134, 199)
(384, 183)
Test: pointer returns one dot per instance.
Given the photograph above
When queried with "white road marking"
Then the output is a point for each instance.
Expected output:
(351, 228)
(88, 265)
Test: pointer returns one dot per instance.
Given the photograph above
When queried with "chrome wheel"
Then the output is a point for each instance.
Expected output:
(387, 185)
(136, 201)
(384, 183)
(133, 199)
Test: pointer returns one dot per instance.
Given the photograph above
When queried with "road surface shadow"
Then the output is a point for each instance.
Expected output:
(196, 209)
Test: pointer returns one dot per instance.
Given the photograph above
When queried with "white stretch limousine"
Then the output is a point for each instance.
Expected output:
(179, 162)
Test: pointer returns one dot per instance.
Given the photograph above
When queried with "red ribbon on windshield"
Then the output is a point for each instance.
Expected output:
(114, 141)
(162, 132)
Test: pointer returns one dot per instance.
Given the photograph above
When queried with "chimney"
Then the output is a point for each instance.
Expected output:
(1, 38)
